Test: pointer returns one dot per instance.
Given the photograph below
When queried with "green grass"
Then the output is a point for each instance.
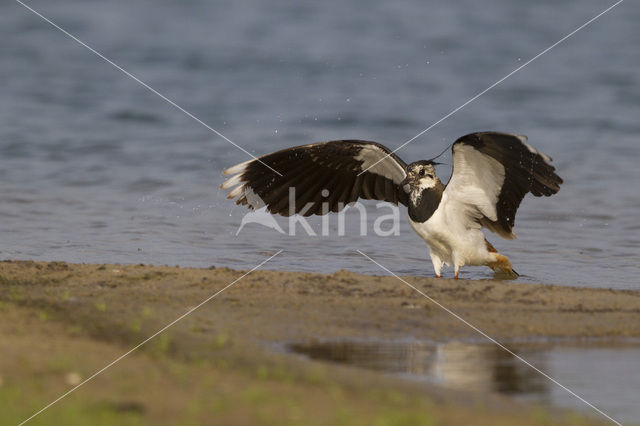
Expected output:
(17, 406)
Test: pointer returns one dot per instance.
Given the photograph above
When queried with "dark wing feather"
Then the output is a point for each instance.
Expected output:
(340, 167)
(506, 168)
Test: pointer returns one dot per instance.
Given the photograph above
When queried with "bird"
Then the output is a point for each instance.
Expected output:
(491, 174)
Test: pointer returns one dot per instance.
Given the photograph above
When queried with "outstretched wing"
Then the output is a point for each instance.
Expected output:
(324, 176)
(492, 172)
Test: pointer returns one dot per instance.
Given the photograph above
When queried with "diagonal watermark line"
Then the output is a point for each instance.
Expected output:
(149, 338)
(495, 84)
(449, 311)
(142, 83)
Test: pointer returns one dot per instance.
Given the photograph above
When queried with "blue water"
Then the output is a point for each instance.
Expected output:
(95, 168)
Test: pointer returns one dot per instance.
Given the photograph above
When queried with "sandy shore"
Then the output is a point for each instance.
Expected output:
(61, 322)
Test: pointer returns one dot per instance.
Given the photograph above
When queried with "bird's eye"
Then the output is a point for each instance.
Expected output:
(421, 172)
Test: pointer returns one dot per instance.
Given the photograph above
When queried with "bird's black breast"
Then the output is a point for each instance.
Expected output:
(426, 204)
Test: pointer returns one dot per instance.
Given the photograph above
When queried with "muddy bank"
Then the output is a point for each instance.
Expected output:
(77, 318)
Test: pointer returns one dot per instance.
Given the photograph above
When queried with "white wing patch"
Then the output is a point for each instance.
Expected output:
(387, 167)
(531, 149)
(236, 180)
(236, 191)
(475, 184)
(535, 151)
(238, 168)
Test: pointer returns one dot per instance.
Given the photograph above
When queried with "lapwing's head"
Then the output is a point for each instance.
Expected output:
(421, 175)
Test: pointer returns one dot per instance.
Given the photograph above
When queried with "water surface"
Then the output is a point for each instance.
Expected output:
(95, 168)
(598, 372)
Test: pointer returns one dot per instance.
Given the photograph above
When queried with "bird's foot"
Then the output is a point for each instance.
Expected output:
(502, 267)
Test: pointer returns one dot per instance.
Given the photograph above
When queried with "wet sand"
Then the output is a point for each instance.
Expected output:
(61, 322)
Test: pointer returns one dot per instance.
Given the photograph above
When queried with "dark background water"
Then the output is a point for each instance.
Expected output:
(95, 168)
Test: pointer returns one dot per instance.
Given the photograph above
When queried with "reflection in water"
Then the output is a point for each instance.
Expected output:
(475, 367)
(605, 375)
(484, 368)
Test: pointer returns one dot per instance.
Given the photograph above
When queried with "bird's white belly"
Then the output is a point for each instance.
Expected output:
(453, 245)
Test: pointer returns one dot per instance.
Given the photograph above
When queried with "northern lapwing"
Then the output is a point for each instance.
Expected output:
(492, 172)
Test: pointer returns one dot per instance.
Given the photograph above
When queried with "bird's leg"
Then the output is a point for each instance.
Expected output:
(501, 263)
(456, 264)
(437, 263)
